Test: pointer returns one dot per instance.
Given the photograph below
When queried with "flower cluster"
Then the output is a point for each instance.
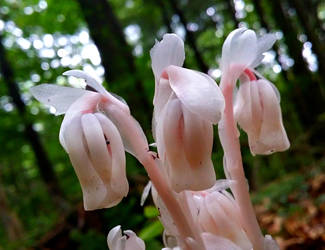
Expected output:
(195, 209)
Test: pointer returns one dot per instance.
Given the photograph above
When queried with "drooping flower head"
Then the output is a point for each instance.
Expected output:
(186, 105)
(92, 136)
(257, 105)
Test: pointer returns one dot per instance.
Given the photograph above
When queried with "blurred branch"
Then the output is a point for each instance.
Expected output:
(44, 165)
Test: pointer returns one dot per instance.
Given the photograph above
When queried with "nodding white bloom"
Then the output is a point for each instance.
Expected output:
(129, 241)
(91, 139)
(257, 110)
(186, 105)
(257, 105)
(216, 212)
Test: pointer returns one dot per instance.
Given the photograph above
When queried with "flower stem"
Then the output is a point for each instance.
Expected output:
(168, 197)
(229, 138)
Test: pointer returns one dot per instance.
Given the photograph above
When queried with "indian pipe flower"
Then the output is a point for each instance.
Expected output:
(257, 104)
(186, 105)
(92, 141)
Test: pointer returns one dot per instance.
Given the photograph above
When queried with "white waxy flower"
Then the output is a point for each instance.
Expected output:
(186, 105)
(243, 49)
(257, 104)
(217, 215)
(257, 110)
(129, 241)
(92, 140)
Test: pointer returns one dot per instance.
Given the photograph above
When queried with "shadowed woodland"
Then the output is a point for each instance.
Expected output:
(40, 197)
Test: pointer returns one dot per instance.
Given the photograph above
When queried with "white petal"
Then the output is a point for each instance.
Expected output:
(58, 97)
(272, 137)
(93, 189)
(118, 183)
(134, 140)
(98, 150)
(213, 242)
(264, 43)
(145, 193)
(133, 242)
(90, 80)
(169, 51)
(198, 92)
(115, 240)
(239, 48)
(87, 103)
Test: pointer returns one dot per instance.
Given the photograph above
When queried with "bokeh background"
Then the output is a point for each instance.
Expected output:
(40, 197)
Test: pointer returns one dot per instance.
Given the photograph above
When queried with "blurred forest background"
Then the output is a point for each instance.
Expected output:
(40, 197)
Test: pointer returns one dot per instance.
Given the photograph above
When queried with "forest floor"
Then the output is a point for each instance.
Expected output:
(292, 210)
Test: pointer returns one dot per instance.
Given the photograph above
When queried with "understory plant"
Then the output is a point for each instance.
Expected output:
(197, 210)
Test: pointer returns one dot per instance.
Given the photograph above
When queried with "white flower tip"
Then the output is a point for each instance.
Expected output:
(169, 51)
(92, 81)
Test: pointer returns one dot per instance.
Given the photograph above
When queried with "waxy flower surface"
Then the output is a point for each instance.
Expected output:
(92, 141)
(186, 105)
(257, 104)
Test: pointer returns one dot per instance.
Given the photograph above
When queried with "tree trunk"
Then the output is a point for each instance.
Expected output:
(45, 167)
(189, 35)
(116, 55)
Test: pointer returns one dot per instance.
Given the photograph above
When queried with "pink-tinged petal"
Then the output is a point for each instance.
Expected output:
(239, 48)
(93, 189)
(221, 209)
(133, 242)
(264, 43)
(247, 109)
(171, 148)
(98, 149)
(272, 137)
(134, 140)
(163, 93)
(55, 96)
(169, 51)
(198, 139)
(213, 242)
(86, 103)
(118, 182)
(198, 92)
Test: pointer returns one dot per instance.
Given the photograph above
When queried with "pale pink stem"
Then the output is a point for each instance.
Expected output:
(167, 195)
(147, 159)
(229, 139)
